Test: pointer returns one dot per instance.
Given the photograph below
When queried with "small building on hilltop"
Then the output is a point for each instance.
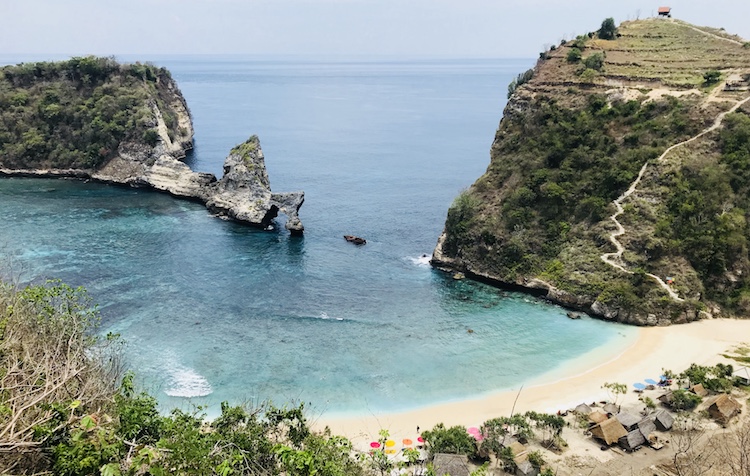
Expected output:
(665, 12)
(609, 431)
(723, 408)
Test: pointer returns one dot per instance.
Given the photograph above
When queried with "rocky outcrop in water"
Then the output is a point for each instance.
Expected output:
(243, 193)
(146, 153)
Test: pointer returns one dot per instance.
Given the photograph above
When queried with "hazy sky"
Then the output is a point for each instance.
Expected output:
(454, 28)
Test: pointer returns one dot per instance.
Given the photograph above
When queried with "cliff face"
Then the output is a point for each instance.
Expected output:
(125, 124)
(616, 183)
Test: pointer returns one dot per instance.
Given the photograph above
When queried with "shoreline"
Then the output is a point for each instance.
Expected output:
(654, 349)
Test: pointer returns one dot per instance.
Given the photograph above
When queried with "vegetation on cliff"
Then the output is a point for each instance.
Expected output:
(76, 113)
(574, 137)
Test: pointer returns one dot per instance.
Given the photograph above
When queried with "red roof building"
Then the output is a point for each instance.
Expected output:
(665, 11)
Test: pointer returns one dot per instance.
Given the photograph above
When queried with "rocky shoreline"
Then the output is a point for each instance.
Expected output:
(242, 194)
(544, 290)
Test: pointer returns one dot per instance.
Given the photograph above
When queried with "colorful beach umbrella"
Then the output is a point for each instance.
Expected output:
(639, 386)
(407, 442)
(651, 381)
(375, 445)
(390, 444)
(473, 430)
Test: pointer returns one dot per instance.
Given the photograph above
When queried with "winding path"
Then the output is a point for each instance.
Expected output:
(615, 259)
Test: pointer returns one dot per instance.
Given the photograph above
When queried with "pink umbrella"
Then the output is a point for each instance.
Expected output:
(473, 430)
(375, 445)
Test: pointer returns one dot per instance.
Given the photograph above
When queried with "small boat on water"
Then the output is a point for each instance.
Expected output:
(355, 239)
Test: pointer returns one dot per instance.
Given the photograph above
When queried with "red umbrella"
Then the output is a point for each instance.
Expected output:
(375, 444)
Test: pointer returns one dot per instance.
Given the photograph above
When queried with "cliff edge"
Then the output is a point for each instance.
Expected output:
(618, 182)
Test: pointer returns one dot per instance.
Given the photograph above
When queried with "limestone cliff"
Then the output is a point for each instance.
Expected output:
(617, 183)
(125, 124)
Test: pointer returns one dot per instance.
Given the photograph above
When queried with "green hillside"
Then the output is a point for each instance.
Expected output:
(575, 134)
(76, 113)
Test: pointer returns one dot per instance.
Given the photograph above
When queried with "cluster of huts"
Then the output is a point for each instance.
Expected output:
(628, 430)
(722, 407)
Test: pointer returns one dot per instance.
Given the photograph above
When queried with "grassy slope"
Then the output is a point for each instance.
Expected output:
(570, 143)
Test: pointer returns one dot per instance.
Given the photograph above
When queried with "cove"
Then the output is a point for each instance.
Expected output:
(212, 310)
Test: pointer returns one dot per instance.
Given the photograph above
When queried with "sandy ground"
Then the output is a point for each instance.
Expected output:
(653, 350)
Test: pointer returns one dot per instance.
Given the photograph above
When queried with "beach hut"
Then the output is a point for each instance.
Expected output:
(628, 420)
(597, 416)
(609, 431)
(663, 420)
(743, 375)
(453, 465)
(724, 408)
(611, 408)
(666, 398)
(632, 441)
(699, 390)
(526, 469)
(646, 427)
(583, 409)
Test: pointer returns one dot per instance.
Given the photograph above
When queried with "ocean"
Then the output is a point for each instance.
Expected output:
(214, 311)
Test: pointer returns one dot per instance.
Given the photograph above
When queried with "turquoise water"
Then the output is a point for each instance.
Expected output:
(212, 310)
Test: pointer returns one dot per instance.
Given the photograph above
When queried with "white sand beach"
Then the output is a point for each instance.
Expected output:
(654, 349)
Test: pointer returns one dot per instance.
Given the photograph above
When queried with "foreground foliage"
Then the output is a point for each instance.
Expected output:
(65, 407)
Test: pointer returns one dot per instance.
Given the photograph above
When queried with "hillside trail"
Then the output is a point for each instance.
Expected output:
(615, 259)
(712, 35)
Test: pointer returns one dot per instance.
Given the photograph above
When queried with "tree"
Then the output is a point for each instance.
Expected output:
(614, 390)
(608, 31)
(711, 77)
(454, 440)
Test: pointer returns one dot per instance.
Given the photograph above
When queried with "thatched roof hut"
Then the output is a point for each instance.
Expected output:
(583, 409)
(611, 408)
(632, 440)
(724, 408)
(666, 398)
(597, 416)
(699, 390)
(453, 465)
(646, 427)
(609, 431)
(663, 420)
(743, 375)
(526, 469)
(628, 420)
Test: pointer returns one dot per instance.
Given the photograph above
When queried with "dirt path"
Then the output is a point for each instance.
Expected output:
(615, 259)
(711, 34)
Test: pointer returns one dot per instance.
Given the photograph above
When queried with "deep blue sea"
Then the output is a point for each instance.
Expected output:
(213, 310)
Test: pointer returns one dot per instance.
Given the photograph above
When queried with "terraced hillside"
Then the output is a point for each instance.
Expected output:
(617, 180)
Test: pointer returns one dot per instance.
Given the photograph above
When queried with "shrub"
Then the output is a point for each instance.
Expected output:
(522, 78)
(574, 55)
(711, 77)
(608, 30)
(595, 61)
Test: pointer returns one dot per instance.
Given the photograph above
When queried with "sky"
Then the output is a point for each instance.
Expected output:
(441, 28)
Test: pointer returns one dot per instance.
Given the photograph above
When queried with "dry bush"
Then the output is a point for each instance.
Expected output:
(53, 369)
